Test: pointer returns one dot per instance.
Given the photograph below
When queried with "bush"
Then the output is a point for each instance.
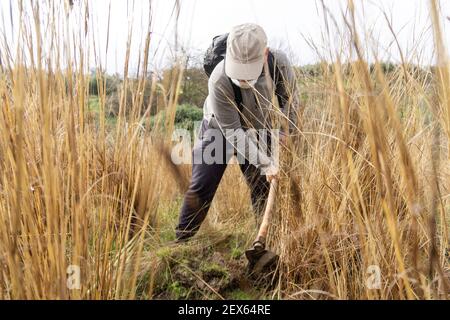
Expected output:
(194, 87)
(111, 84)
(185, 117)
(188, 113)
(113, 99)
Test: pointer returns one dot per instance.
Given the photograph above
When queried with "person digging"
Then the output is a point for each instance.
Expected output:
(243, 75)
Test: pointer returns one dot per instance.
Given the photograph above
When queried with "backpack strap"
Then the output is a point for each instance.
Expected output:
(238, 99)
(271, 64)
(237, 95)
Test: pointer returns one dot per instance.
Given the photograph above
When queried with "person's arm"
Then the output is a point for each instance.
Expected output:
(226, 113)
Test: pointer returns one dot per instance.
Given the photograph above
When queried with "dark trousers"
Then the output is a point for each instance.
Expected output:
(204, 183)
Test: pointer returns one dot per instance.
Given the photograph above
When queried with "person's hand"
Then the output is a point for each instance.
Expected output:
(271, 178)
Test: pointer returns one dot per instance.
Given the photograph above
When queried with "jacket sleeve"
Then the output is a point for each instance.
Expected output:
(226, 114)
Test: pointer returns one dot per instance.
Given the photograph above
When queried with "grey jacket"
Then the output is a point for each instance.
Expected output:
(259, 112)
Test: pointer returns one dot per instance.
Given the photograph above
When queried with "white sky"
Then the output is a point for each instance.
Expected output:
(287, 23)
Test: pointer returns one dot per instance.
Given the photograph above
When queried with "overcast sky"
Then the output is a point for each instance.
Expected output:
(289, 24)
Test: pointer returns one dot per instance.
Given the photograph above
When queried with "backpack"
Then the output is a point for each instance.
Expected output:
(216, 53)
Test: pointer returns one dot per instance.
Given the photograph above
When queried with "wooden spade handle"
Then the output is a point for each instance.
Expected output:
(262, 233)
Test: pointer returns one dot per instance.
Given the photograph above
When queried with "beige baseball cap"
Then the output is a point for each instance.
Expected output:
(245, 55)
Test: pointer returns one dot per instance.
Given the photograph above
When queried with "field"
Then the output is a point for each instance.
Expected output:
(363, 208)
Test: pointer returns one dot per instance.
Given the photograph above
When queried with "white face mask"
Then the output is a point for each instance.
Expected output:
(245, 84)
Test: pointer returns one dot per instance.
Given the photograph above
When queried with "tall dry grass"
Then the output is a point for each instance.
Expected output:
(73, 193)
(365, 182)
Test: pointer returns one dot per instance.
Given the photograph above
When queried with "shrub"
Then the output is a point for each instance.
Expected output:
(111, 84)
(185, 117)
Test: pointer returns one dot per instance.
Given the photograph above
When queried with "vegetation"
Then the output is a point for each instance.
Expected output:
(186, 117)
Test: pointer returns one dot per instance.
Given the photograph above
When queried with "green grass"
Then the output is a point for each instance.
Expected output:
(94, 104)
(240, 295)
(94, 108)
(185, 117)
(177, 291)
(213, 269)
(168, 215)
(236, 253)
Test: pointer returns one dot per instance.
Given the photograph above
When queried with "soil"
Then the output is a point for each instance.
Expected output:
(215, 271)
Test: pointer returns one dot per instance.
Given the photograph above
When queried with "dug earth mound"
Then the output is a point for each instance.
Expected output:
(215, 270)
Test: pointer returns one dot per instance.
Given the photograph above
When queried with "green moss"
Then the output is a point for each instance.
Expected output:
(240, 295)
(211, 269)
(177, 291)
(236, 247)
(178, 253)
(167, 235)
(164, 252)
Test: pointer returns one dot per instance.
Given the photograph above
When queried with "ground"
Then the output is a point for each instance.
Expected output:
(216, 269)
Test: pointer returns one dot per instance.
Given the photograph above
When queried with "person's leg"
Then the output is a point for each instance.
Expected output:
(203, 186)
(259, 187)
(198, 198)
